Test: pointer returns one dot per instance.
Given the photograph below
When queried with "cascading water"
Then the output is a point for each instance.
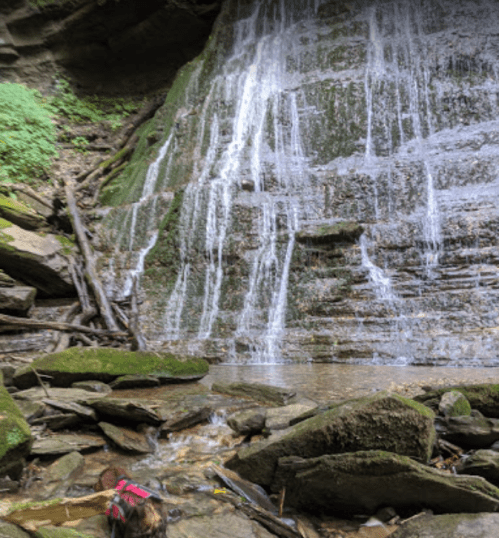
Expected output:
(304, 126)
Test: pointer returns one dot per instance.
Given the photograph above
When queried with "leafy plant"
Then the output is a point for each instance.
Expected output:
(80, 143)
(27, 134)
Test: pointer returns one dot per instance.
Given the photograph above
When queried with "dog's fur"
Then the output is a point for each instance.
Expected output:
(147, 518)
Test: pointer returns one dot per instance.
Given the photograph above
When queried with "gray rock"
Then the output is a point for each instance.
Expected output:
(134, 381)
(36, 259)
(450, 525)
(248, 421)
(454, 404)
(30, 410)
(383, 421)
(73, 407)
(36, 394)
(474, 431)
(259, 392)
(181, 420)
(482, 463)
(224, 525)
(8, 530)
(364, 481)
(92, 386)
(328, 233)
(20, 298)
(6, 281)
(279, 418)
(65, 443)
(7, 372)
(127, 439)
(65, 467)
(121, 408)
(59, 421)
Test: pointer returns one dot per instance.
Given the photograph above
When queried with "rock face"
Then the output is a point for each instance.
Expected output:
(364, 481)
(378, 116)
(115, 48)
(383, 421)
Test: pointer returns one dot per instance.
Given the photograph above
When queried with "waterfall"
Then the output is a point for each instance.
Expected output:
(299, 117)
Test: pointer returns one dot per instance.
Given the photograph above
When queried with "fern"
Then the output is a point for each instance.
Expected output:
(27, 134)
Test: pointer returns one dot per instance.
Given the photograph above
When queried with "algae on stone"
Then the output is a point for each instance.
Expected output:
(105, 364)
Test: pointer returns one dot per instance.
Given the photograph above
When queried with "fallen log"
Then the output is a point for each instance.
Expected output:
(58, 511)
(24, 323)
(90, 273)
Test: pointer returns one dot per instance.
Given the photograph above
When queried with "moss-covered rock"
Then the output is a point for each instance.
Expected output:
(20, 214)
(483, 397)
(364, 481)
(380, 422)
(8, 530)
(15, 435)
(454, 404)
(106, 364)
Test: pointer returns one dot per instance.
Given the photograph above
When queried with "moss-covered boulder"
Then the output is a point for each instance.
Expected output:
(107, 364)
(9, 530)
(483, 397)
(36, 259)
(454, 404)
(483, 463)
(19, 213)
(362, 482)
(381, 422)
(15, 436)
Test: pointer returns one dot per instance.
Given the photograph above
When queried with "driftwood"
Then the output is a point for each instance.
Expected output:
(90, 272)
(58, 513)
(24, 323)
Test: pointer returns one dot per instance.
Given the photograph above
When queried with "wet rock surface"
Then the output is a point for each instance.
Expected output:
(184, 452)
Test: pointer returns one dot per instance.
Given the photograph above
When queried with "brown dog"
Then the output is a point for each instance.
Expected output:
(136, 511)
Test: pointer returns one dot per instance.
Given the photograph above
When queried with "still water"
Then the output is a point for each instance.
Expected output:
(326, 382)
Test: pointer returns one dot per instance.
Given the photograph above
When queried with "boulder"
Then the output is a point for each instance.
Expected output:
(482, 463)
(125, 410)
(454, 404)
(19, 298)
(92, 386)
(474, 431)
(15, 436)
(181, 420)
(259, 392)
(65, 467)
(362, 482)
(382, 421)
(65, 443)
(447, 525)
(248, 421)
(107, 364)
(483, 397)
(280, 418)
(21, 214)
(127, 439)
(37, 259)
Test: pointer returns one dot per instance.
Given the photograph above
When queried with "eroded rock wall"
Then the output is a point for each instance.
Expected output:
(381, 118)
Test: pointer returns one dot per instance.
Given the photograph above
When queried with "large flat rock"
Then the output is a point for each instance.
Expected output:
(107, 364)
(66, 443)
(37, 259)
(364, 481)
(380, 422)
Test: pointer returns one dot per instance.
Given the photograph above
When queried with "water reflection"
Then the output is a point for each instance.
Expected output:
(326, 382)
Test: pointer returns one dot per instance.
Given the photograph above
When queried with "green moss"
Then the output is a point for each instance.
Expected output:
(14, 430)
(23, 505)
(5, 223)
(117, 362)
(163, 260)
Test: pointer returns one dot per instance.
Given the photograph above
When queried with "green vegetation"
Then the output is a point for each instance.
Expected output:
(27, 134)
(28, 120)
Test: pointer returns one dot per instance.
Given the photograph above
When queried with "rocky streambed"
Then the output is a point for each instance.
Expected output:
(375, 466)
